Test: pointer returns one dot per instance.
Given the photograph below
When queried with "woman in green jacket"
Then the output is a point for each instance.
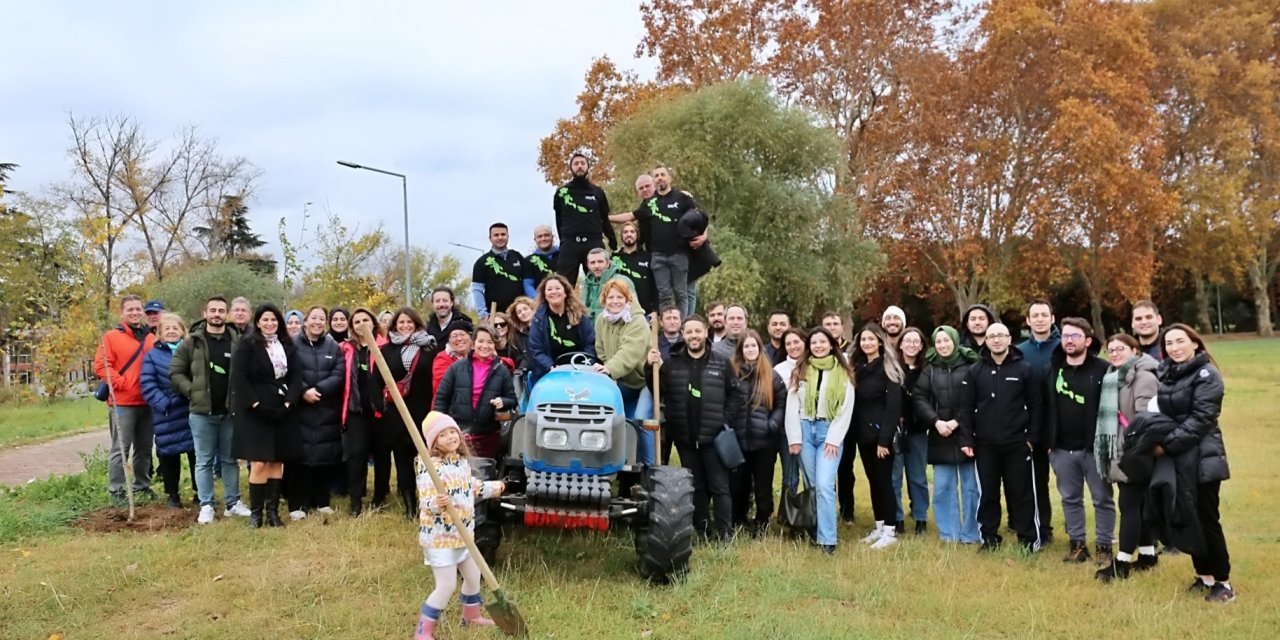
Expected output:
(622, 342)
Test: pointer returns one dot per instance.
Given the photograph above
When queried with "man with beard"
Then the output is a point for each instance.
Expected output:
(1038, 351)
(540, 263)
(634, 263)
(1073, 394)
(445, 318)
(778, 324)
(201, 373)
(973, 326)
(715, 316)
(1146, 326)
(118, 363)
(582, 218)
(834, 324)
(600, 269)
(670, 252)
(735, 326)
(893, 321)
(241, 313)
(1000, 415)
(496, 276)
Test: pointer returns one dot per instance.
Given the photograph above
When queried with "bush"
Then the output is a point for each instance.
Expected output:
(186, 291)
(50, 504)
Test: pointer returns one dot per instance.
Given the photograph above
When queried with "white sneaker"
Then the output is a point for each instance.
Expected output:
(328, 511)
(887, 540)
(297, 515)
(237, 509)
(875, 534)
(206, 514)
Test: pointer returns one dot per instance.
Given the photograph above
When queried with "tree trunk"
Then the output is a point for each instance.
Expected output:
(1203, 322)
(1262, 306)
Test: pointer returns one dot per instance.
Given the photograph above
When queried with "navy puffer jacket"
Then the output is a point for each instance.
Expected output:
(169, 410)
(1191, 394)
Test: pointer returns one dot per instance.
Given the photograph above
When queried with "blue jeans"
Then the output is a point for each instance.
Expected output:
(212, 436)
(914, 457)
(637, 404)
(956, 523)
(821, 471)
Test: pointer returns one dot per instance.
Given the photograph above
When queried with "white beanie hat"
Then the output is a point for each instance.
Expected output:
(894, 310)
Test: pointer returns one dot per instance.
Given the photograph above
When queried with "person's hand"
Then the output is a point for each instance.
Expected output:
(496, 402)
(655, 358)
(831, 451)
(440, 501)
(967, 451)
(312, 395)
(794, 449)
(1157, 450)
(943, 428)
(697, 242)
(502, 488)
(882, 452)
(600, 368)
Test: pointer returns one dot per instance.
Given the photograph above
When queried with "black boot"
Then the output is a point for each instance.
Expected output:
(1119, 570)
(1145, 562)
(356, 507)
(273, 503)
(410, 497)
(257, 495)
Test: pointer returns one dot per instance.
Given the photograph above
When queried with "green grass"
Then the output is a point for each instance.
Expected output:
(39, 420)
(344, 578)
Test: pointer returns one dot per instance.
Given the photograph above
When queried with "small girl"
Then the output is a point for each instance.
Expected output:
(442, 546)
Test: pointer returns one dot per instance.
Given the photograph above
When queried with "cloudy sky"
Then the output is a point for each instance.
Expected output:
(455, 95)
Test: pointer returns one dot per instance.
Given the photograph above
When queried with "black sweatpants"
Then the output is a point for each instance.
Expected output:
(1215, 561)
(1044, 507)
(754, 479)
(1008, 465)
(1135, 531)
(403, 454)
(666, 444)
(879, 482)
(573, 254)
(306, 486)
(355, 452)
(844, 474)
(171, 473)
(710, 485)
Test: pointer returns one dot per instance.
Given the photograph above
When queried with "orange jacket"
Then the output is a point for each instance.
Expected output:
(118, 345)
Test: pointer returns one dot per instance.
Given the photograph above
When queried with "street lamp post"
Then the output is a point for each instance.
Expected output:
(404, 184)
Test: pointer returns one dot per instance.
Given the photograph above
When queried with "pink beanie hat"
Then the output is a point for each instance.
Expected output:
(435, 424)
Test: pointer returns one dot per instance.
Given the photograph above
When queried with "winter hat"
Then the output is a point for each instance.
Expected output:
(435, 424)
(894, 310)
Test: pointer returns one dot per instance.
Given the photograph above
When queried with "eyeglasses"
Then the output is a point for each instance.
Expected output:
(997, 336)
(1117, 350)
(1073, 336)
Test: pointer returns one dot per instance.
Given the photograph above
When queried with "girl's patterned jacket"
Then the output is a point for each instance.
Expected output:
(435, 530)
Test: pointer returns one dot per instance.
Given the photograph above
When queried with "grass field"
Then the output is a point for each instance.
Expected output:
(345, 578)
(31, 422)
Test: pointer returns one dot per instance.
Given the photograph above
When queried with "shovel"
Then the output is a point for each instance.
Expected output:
(502, 611)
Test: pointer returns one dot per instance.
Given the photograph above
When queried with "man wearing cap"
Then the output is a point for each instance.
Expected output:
(118, 363)
(582, 218)
(153, 309)
(893, 321)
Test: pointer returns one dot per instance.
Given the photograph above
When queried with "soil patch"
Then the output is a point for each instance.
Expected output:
(148, 518)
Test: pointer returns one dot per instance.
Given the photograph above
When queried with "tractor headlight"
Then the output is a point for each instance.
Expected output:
(555, 438)
(592, 440)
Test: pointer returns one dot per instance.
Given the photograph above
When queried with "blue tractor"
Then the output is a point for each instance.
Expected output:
(570, 462)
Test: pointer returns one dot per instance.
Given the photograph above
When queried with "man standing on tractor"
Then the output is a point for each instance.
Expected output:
(582, 218)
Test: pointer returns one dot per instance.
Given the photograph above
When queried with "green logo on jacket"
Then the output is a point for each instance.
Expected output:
(653, 209)
(497, 269)
(568, 201)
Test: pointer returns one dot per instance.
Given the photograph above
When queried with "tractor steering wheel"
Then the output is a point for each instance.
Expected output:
(580, 360)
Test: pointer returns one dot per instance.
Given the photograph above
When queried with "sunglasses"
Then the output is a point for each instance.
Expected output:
(501, 325)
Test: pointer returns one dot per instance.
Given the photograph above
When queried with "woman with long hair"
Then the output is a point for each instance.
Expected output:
(408, 356)
(795, 342)
(912, 456)
(358, 405)
(560, 325)
(267, 382)
(820, 403)
(1127, 389)
(937, 402)
(502, 330)
(759, 425)
(1190, 393)
(622, 343)
(876, 415)
(474, 390)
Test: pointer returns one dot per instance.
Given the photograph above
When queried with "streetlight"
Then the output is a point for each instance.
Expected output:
(404, 183)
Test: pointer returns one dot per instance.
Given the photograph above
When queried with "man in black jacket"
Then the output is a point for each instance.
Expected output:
(1071, 417)
(670, 253)
(698, 388)
(582, 218)
(634, 263)
(445, 319)
(1146, 323)
(1000, 406)
(497, 277)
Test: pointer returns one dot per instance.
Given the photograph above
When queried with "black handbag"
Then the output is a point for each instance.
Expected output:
(103, 392)
(800, 507)
(727, 447)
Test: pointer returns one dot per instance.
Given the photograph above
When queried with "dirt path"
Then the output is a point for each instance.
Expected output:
(20, 464)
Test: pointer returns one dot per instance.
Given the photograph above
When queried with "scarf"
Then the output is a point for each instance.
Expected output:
(279, 359)
(623, 316)
(410, 345)
(1106, 443)
(961, 354)
(837, 380)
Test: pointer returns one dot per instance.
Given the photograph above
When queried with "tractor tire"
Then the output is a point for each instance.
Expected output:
(488, 516)
(664, 538)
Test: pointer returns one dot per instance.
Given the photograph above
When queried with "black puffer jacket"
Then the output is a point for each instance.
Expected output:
(1191, 394)
(713, 377)
(938, 397)
(454, 395)
(877, 409)
(321, 364)
(759, 427)
(1001, 402)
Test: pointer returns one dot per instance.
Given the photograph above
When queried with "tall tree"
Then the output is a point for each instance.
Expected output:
(227, 234)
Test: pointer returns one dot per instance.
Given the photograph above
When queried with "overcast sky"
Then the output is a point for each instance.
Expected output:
(455, 95)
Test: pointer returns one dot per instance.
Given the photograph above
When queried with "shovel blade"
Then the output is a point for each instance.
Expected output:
(506, 616)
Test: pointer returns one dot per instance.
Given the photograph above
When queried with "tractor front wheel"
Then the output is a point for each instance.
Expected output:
(664, 538)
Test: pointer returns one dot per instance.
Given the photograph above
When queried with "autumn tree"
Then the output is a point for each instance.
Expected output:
(765, 173)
